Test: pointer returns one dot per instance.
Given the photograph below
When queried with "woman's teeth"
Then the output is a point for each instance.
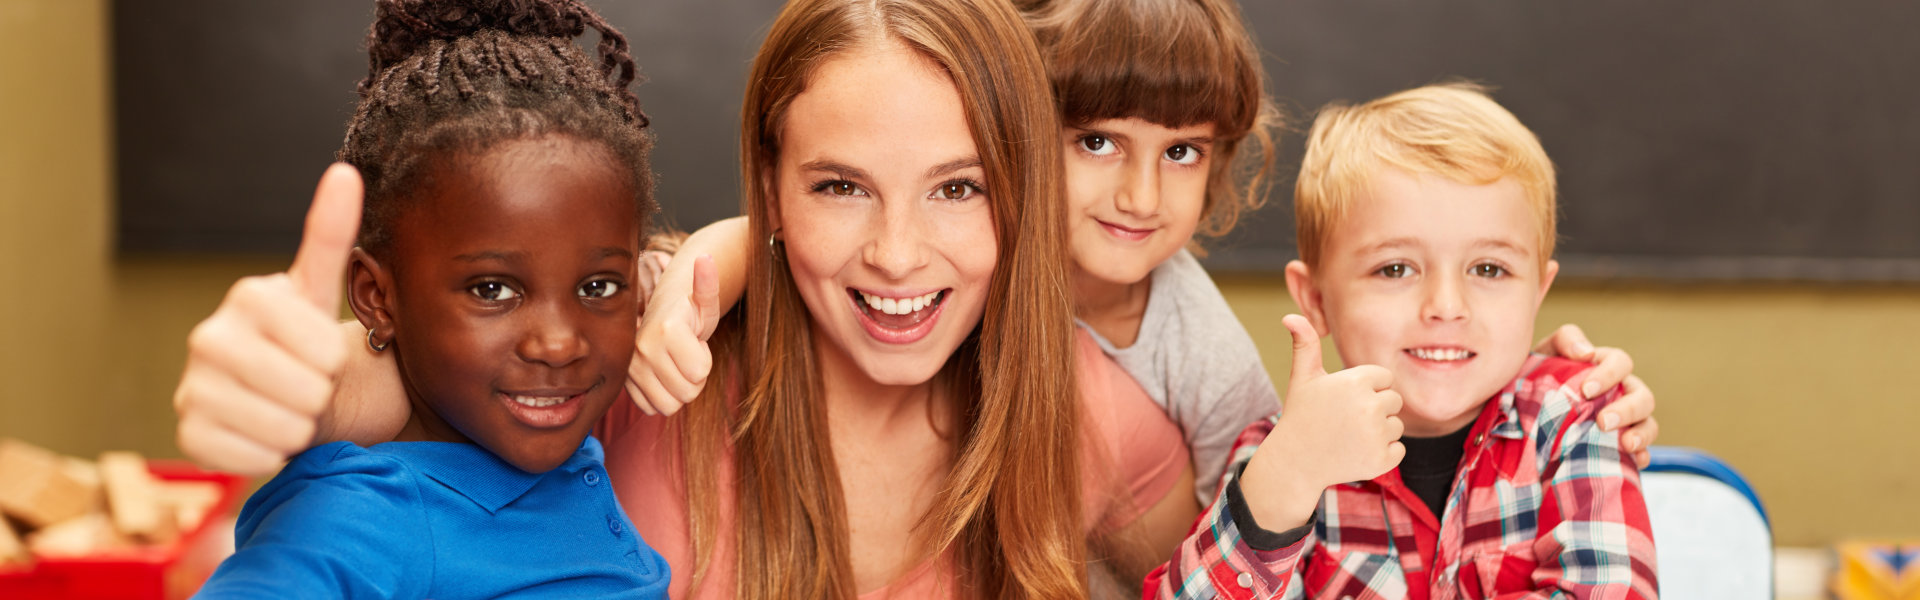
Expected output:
(899, 306)
(539, 401)
(1440, 354)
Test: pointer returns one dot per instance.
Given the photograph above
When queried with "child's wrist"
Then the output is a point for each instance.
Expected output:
(1279, 495)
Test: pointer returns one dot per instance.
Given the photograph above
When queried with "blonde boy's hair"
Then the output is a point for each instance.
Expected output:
(1451, 130)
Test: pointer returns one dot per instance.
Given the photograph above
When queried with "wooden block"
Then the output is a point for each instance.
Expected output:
(41, 488)
(12, 550)
(133, 500)
(88, 534)
(191, 501)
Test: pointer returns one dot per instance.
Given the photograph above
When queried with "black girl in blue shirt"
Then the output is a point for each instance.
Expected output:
(506, 189)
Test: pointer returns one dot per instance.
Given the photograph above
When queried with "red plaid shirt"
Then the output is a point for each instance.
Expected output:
(1545, 505)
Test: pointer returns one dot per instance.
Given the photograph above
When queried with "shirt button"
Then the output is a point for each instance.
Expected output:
(613, 525)
(591, 477)
(1245, 580)
(1480, 440)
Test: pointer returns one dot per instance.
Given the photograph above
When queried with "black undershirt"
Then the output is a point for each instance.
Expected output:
(1431, 464)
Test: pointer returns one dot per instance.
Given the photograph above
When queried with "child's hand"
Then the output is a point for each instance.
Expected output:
(671, 359)
(1611, 367)
(1336, 428)
(262, 369)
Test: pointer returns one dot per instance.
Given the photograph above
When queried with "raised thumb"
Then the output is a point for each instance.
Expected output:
(706, 296)
(333, 222)
(1306, 348)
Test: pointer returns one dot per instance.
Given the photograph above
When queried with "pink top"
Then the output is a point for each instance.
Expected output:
(1135, 443)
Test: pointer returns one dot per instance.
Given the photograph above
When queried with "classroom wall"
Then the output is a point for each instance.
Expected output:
(1807, 389)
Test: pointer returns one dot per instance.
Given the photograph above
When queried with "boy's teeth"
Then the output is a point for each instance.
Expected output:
(1442, 354)
(538, 401)
(899, 306)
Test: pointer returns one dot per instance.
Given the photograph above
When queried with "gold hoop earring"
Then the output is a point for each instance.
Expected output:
(376, 348)
(773, 244)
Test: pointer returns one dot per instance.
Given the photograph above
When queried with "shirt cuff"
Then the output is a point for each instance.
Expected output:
(1260, 539)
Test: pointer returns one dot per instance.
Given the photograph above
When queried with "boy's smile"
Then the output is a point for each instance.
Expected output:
(1437, 281)
(505, 295)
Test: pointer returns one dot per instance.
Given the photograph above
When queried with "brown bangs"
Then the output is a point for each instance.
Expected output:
(1174, 63)
(1170, 62)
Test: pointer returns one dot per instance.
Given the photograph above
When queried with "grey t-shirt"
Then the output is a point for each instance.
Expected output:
(1198, 363)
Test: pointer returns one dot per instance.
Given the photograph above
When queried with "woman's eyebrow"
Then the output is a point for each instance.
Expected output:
(957, 164)
(845, 171)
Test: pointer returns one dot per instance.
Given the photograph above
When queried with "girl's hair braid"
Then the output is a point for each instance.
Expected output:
(448, 77)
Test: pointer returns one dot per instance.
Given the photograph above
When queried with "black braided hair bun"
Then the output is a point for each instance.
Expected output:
(403, 27)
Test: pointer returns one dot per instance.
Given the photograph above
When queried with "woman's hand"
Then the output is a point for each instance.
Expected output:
(671, 359)
(1612, 367)
(261, 370)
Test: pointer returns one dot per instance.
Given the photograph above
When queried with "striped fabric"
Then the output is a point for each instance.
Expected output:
(1545, 505)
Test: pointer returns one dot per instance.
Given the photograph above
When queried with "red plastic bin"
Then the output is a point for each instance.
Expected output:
(168, 572)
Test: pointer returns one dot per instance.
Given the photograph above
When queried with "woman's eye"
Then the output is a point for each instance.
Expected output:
(1394, 271)
(1489, 270)
(1097, 145)
(599, 288)
(843, 188)
(493, 291)
(955, 191)
(1183, 154)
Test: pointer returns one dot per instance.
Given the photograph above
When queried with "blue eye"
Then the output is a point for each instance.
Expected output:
(598, 288)
(1490, 270)
(1395, 271)
(493, 291)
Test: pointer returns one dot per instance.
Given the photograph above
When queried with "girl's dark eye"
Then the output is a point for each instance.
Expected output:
(1489, 270)
(1395, 271)
(1097, 145)
(1183, 154)
(493, 291)
(599, 288)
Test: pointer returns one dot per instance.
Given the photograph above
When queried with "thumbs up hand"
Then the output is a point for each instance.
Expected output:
(671, 359)
(261, 370)
(1335, 428)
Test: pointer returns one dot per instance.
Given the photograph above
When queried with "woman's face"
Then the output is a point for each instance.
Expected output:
(880, 196)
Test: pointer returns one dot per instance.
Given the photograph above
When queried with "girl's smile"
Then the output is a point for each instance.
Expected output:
(505, 295)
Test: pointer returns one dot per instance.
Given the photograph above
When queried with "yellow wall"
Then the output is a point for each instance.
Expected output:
(90, 344)
(1809, 390)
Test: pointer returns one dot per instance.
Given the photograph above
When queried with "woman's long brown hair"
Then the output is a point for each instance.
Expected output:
(1010, 509)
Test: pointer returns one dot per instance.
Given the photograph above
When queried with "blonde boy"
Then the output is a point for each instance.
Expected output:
(1426, 230)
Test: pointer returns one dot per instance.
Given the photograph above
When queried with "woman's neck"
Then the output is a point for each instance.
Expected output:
(1113, 310)
(858, 405)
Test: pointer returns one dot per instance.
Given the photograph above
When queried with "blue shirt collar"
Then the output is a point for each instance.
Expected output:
(479, 475)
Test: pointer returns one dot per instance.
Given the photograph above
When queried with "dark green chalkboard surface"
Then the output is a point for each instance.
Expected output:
(1709, 139)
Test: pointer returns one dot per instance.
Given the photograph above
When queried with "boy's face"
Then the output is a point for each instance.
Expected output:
(1136, 190)
(1438, 282)
(507, 297)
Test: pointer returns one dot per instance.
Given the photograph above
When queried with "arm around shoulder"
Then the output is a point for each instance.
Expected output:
(1595, 539)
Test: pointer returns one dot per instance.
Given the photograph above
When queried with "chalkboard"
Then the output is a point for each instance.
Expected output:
(228, 110)
(1708, 139)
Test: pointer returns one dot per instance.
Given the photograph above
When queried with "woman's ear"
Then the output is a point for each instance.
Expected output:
(1306, 294)
(370, 295)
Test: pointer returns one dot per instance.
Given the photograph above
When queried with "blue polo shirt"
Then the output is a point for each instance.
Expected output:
(436, 520)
